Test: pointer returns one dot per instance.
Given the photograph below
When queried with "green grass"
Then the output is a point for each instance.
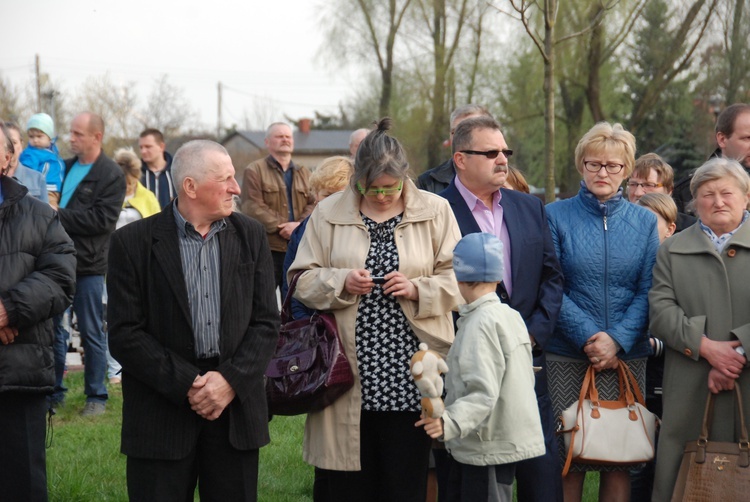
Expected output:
(84, 462)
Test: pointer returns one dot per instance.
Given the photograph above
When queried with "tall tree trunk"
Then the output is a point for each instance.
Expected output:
(438, 124)
(550, 13)
(593, 89)
(737, 63)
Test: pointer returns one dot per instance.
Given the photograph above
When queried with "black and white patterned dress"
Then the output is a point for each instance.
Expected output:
(384, 339)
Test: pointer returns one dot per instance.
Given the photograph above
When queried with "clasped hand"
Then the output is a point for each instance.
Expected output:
(601, 350)
(210, 394)
(726, 363)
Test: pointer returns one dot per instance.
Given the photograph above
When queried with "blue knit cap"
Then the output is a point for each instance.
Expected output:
(44, 123)
(478, 258)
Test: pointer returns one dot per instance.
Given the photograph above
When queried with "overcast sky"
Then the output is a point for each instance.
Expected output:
(264, 52)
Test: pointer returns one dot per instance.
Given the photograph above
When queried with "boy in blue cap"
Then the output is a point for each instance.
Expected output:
(491, 420)
(42, 155)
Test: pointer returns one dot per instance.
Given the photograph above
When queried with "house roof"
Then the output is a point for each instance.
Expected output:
(316, 141)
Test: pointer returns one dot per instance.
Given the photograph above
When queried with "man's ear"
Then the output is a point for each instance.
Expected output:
(721, 140)
(189, 187)
(458, 160)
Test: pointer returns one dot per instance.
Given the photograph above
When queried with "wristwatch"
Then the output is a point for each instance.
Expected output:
(741, 351)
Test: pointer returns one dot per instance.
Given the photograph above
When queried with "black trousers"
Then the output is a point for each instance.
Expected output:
(394, 456)
(23, 469)
(479, 483)
(221, 472)
(278, 266)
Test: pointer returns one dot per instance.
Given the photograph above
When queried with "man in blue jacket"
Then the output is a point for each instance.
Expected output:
(532, 281)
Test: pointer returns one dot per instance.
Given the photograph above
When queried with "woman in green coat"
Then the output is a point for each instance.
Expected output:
(700, 308)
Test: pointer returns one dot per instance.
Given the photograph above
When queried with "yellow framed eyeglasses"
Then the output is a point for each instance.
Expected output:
(374, 192)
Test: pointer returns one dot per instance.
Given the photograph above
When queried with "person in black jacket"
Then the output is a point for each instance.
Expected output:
(193, 341)
(37, 271)
(90, 203)
(438, 178)
(733, 142)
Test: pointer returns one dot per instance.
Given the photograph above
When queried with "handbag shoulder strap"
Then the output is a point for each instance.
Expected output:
(633, 383)
(709, 413)
(588, 389)
(286, 308)
(744, 445)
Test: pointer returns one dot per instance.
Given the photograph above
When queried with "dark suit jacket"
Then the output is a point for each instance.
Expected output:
(535, 271)
(151, 335)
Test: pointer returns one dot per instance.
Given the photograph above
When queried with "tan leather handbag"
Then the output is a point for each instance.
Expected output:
(715, 470)
(618, 432)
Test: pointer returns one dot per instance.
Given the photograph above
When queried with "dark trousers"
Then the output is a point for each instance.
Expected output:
(479, 483)
(23, 470)
(537, 479)
(394, 457)
(221, 472)
(278, 266)
(540, 479)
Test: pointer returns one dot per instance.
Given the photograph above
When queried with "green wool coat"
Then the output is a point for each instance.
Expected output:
(695, 291)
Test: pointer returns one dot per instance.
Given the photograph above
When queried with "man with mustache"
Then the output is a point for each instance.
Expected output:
(532, 280)
(276, 192)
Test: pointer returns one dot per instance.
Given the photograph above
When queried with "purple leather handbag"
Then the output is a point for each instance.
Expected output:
(309, 369)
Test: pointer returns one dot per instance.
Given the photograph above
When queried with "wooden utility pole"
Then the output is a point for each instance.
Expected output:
(38, 86)
(218, 115)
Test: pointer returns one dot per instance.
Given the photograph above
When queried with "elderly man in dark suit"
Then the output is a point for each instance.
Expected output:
(194, 322)
(532, 284)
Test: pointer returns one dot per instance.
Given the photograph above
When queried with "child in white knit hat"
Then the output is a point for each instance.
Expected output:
(42, 155)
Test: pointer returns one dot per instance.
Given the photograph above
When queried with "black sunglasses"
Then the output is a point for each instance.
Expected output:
(490, 154)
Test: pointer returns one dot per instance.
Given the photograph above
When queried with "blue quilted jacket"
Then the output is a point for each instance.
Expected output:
(606, 251)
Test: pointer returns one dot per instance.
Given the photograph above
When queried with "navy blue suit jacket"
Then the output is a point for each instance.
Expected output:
(535, 271)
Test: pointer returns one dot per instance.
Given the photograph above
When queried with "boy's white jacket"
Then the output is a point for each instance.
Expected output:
(491, 414)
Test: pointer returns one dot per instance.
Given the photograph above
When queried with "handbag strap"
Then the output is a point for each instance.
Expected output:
(286, 308)
(633, 383)
(744, 445)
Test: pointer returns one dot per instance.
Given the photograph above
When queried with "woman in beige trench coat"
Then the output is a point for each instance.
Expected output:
(365, 446)
(700, 308)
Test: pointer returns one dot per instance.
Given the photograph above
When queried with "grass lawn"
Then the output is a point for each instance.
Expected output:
(84, 461)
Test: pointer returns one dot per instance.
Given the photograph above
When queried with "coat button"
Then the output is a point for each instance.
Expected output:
(688, 352)
(731, 253)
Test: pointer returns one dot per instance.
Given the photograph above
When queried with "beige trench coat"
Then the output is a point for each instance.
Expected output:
(695, 291)
(336, 241)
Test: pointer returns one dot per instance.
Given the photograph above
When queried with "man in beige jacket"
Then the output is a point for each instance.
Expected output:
(276, 192)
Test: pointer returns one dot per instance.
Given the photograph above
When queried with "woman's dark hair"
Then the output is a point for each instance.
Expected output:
(379, 154)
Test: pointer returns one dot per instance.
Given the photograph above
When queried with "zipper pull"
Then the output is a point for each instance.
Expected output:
(605, 222)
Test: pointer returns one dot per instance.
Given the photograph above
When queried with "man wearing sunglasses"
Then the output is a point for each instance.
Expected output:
(438, 178)
(532, 284)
